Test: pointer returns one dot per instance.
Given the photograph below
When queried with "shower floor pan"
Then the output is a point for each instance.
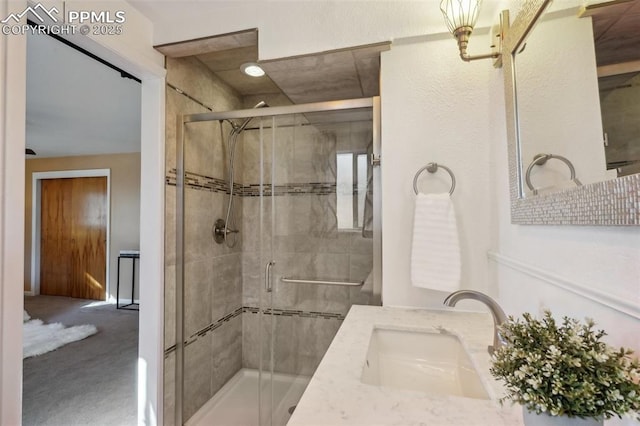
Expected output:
(236, 403)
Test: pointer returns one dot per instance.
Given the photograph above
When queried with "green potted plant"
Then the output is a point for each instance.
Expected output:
(564, 374)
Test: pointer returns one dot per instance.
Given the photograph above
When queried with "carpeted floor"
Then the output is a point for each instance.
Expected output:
(90, 382)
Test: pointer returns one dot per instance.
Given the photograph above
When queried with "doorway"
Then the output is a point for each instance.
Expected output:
(133, 53)
(73, 237)
(87, 210)
(70, 239)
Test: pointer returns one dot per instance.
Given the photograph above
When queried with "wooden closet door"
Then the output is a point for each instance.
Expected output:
(73, 234)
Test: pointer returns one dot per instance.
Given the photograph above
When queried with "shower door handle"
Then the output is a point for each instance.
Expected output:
(267, 276)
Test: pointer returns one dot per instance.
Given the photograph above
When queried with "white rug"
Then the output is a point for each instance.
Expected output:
(39, 338)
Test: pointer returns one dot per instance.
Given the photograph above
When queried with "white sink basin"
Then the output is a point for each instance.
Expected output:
(421, 361)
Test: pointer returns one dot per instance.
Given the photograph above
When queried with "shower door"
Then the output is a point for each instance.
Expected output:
(315, 223)
(254, 314)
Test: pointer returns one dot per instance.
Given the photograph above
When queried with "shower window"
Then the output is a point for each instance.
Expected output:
(351, 188)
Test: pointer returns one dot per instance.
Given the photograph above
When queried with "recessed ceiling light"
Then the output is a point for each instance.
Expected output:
(252, 69)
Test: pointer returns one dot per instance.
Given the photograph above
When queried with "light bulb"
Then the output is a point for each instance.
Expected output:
(252, 69)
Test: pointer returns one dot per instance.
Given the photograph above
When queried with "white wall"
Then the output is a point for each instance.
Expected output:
(600, 262)
(435, 108)
(12, 133)
(288, 28)
(572, 270)
(311, 26)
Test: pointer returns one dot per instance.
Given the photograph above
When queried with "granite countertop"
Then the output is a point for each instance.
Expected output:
(336, 396)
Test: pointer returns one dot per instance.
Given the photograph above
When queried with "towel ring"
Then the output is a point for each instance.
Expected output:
(539, 160)
(432, 168)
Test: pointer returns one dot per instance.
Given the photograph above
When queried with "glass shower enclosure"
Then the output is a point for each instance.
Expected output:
(277, 235)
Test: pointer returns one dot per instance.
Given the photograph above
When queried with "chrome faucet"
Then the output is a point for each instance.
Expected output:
(496, 311)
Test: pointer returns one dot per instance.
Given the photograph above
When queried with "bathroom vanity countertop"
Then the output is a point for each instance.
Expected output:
(336, 396)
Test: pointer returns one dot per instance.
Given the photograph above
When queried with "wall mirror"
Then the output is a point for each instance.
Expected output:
(572, 86)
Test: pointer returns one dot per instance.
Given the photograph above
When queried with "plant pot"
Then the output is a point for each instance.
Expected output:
(543, 419)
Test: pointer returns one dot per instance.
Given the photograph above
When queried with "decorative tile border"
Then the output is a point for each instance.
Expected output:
(316, 188)
(208, 183)
(202, 182)
(295, 313)
(611, 203)
(169, 350)
(211, 327)
(254, 310)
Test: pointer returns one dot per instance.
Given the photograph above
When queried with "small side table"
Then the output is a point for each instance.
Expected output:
(133, 255)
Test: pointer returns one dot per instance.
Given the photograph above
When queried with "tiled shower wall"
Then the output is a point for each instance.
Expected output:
(300, 230)
(213, 274)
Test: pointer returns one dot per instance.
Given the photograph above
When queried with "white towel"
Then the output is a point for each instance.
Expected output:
(435, 252)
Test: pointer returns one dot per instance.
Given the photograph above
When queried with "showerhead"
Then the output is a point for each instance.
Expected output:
(246, 121)
(223, 227)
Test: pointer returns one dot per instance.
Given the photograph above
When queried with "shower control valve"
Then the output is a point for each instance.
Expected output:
(219, 231)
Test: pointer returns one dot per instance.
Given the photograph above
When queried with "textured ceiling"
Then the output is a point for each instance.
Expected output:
(328, 76)
(343, 74)
(223, 54)
(616, 31)
(77, 105)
